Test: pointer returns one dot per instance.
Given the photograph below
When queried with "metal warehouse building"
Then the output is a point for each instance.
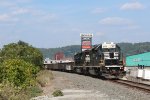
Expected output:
(138, 66)
(139, 60)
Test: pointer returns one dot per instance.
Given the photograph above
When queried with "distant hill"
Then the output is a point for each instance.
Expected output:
(69, 51)
(134, 48)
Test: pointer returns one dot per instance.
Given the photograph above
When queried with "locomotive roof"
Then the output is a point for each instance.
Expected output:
(94, 48)
(97, 46)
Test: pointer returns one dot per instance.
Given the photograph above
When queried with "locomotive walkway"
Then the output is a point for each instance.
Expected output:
(80, 87)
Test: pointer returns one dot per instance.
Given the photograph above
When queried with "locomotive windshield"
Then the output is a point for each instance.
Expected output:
(110, 50)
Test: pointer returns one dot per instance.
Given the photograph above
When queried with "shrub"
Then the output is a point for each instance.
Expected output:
(19, 65)
(57, 93)
(33, 91)
(44, 77)
(10, 93)
(19, 73)
(22, 50)
(1, 73)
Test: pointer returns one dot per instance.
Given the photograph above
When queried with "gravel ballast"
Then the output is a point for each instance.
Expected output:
(80, 87)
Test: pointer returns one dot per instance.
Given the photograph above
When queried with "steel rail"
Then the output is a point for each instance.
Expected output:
(140, 86)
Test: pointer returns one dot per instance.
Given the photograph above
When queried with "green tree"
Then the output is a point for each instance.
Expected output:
(22, 50)
(18, 73)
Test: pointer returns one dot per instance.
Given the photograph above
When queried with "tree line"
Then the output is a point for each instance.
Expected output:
(69, 51)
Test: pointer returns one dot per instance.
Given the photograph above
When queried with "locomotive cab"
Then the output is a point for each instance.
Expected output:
(112, 58)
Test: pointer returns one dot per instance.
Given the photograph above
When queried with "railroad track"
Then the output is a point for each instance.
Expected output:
(140, 86)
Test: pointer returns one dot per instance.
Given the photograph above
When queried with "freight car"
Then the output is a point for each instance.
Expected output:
(59, 65)
(102, 60)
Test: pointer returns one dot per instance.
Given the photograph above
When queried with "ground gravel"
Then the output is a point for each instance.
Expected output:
(82, 87)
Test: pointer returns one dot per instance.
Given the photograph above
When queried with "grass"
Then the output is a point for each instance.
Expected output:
(7, 92)
(44, 77)
(57, 93)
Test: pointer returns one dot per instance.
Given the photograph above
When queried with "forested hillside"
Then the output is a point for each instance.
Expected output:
(134, 48)
(69, 51)
(127, 49)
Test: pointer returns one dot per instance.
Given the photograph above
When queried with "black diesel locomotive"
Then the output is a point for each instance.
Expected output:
(102, 60)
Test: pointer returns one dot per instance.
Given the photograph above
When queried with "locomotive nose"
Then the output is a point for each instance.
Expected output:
(111, 55)
(114, 72)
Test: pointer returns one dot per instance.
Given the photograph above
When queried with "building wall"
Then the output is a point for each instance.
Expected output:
(138, 60)
(59, 56)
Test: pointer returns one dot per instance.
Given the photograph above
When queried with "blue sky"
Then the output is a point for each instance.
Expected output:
(57, 23)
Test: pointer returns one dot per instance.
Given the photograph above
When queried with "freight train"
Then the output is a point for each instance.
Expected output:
(104, 60)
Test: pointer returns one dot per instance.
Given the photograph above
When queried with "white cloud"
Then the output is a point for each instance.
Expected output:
(115, 21)
(76, 30)
(12, 11)
(9, 5)
(100, 33)
(6, 3)
(49, 17)
(10, 2)
(98, 10)
(20, 11)
(4, 17)
(8, 18)
(23, 1)
(132, 6)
